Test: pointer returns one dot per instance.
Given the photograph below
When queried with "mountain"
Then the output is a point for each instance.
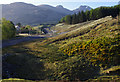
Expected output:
(82, 8)
(58, 8)
(119, 2)
(30, 14)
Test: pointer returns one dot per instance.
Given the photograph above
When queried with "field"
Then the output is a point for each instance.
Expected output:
(82, 52)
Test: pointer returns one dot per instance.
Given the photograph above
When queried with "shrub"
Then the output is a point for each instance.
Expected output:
(8, 29)
(101, 51)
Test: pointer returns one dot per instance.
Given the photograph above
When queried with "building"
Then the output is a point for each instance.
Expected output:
(17, 27)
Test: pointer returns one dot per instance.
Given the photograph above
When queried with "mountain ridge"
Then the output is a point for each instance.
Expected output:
(82, 8)
(26, 13)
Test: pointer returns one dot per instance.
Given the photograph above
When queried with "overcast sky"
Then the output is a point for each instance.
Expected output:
(69, 4)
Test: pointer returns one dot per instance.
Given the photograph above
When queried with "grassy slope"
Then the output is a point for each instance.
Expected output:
(46, 52)
(83, 29)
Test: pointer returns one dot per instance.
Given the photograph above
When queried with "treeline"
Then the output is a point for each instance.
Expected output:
(93, 14)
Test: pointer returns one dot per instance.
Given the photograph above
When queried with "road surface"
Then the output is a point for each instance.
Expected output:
(19, 40)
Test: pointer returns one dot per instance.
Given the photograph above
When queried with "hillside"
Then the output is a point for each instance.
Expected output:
(86, 51)
(33, 15)
(30, 14)
(77, 29)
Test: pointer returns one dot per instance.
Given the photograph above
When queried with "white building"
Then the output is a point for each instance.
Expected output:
(17, 27)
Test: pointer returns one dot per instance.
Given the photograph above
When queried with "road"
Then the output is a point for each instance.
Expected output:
(19, 40)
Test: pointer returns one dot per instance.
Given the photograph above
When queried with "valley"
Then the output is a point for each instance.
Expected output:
(60, 42)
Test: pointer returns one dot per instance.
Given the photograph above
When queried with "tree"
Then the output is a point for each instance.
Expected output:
(8, 29)
(29, 28)
(19, 24)
(91, 15)
(96, 14)
(87, 15)
(74, 19)
(68, 19)
(83, 16)
(62, 20)
(79, 15)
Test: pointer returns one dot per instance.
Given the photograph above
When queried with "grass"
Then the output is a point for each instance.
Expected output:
(60, 28)
(99, 30)
(105, 79)
(99, 79)
(79, 31)
(32, 64)
(112, 69)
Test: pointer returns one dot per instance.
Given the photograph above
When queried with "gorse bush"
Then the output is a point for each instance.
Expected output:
(101, 51)
(8, 29)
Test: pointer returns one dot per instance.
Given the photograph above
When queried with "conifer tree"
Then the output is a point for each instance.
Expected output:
(74, 19)
(87, 15)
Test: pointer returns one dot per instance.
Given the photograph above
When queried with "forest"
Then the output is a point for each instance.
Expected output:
(93, 14)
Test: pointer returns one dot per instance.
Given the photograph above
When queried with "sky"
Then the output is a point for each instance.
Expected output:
(69, 4)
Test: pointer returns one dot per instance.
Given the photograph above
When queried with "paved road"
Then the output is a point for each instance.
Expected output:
(19, 40)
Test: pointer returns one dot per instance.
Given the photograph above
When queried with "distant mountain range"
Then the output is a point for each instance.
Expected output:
(31, 14)
(119, 2)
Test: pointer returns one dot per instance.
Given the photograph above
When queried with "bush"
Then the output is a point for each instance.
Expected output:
(101, 51)
(8, 29)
